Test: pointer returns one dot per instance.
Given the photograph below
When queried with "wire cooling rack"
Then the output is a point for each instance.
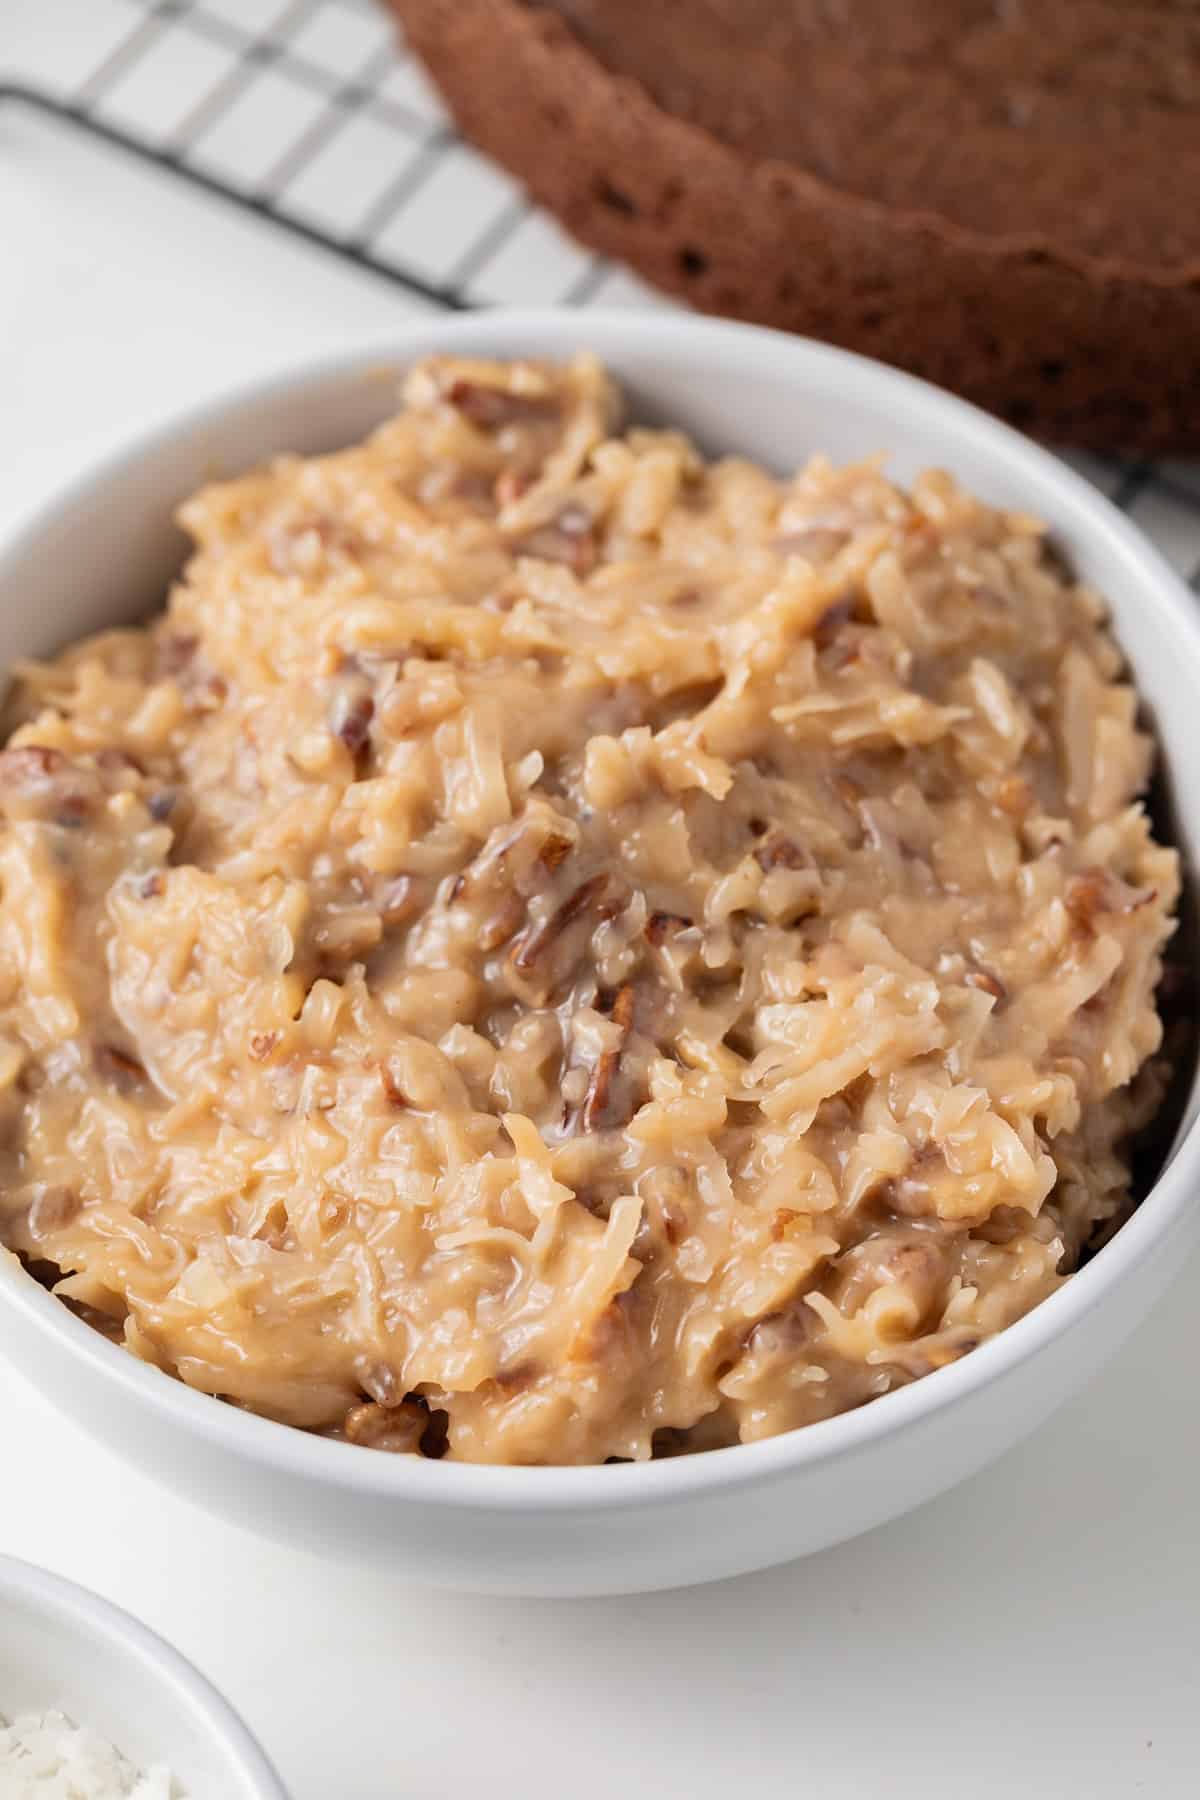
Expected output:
(311, 115)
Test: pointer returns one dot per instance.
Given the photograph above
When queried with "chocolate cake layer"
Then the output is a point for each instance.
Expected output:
(996, 196)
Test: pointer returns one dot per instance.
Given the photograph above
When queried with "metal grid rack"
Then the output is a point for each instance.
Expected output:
(311, 115)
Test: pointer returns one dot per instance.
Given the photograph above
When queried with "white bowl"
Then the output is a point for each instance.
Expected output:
(64, 1649)
(104, 551)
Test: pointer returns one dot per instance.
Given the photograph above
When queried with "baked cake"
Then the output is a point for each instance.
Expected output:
(992, 193)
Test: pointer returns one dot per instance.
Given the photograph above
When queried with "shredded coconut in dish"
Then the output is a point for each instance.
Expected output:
(553, 950)
(43, 1756)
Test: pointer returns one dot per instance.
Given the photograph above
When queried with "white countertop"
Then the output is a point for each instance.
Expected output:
(1035, 1633)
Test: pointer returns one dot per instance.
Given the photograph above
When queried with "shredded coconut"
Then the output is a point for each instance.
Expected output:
(43, 1756)
(546, 940)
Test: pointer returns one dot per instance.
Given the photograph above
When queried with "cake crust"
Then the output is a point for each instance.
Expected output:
(1096, 351)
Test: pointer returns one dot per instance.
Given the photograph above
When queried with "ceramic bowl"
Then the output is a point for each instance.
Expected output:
(104, 551)
(64, 1649)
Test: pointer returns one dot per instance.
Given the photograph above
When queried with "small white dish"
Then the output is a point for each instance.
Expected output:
(104, 552)
(64, 1649)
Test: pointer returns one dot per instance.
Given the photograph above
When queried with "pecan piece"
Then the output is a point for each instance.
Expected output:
(350, 719)
(568, 538)
(52, 1207)
(491, 408)
(598, 1107)
(175, 651)
(661, 926)
(554, 851)
(31, 764)
(1094, 891)
(395, 1428)
(781, 852)
(37, 782)
(985, 982)
(534, 943)
(520, 1376)
(124, 1072)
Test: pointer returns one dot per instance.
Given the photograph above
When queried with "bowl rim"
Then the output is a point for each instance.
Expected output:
(680, 338)
(153, 1661)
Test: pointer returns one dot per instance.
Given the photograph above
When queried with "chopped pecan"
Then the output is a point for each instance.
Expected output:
(511, 860)
(599, 1109)
(520, 1376)
(350, 719)
(986, 982)
(123, 1071)
(1095, 891)
(395, 1428)
(32, 763)
(781, 1332)
(534, 943)
(491, 408)
(71, 811)
(1014, 796)
(781, 852)
(39, 782)
(618, 1007)
(568, 538)
(175, 651)
(554, 851)
(661, 926)
(52, 1207)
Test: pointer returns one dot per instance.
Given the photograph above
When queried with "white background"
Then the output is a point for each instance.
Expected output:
(1035, 1633)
